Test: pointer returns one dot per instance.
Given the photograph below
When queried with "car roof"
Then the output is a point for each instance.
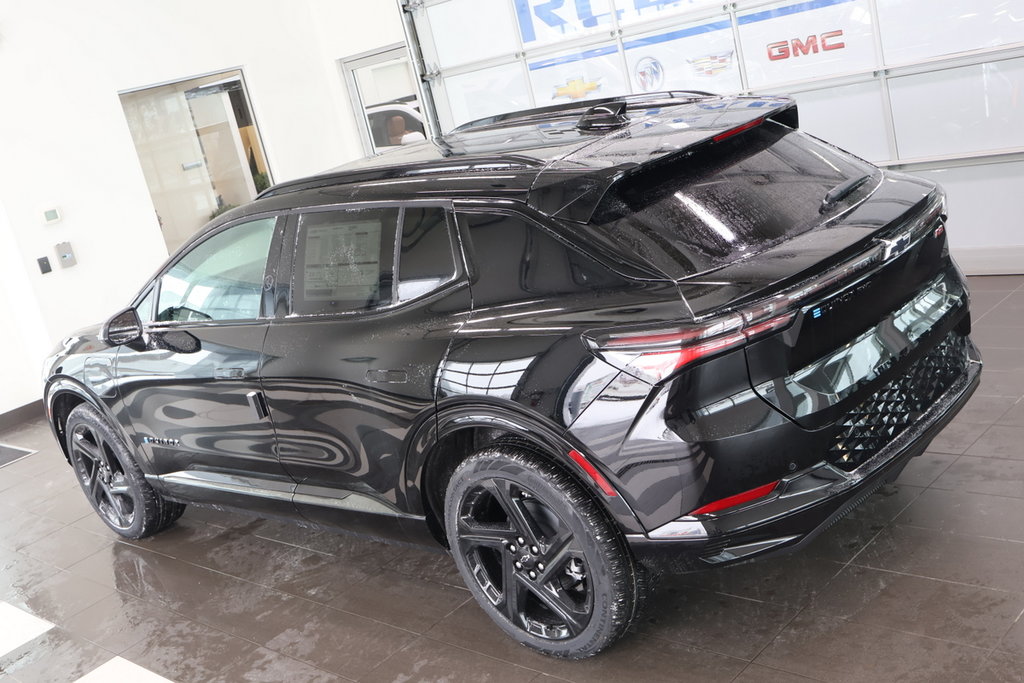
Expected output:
(560, 160)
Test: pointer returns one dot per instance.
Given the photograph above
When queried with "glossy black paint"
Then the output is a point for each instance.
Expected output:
(354, 419)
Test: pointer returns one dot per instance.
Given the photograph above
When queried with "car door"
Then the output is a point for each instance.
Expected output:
(191, 388)
(351, 369)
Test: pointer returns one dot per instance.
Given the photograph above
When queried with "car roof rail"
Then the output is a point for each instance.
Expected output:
(542, 113)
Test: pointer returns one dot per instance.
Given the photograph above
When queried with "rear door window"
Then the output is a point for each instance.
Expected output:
(344, 261)
(426, 254)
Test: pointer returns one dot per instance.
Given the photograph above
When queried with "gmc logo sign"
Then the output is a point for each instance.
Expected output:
(784, 49)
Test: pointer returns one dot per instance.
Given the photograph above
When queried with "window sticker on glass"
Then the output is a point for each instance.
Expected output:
(342, 261)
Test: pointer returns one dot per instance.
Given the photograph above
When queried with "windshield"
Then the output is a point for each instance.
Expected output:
(728, 200)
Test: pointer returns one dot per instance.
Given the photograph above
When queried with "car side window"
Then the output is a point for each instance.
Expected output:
(221, 278)
(515, 257)
(344, 261)
(426, 257)
(145, 307)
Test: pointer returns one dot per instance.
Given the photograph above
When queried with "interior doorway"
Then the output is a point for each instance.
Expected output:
(199, 149)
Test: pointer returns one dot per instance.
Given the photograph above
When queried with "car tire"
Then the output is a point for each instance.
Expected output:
(112, 480)
(515, 519)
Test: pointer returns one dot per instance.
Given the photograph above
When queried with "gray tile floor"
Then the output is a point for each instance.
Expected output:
(924, 582)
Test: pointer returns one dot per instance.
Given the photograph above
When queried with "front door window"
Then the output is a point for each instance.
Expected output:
(221, 278)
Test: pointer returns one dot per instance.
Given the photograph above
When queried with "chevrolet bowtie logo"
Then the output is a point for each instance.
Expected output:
(576, 88)
(891, 248)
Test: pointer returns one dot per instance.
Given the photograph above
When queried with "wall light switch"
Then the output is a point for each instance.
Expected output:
(44, 265)
(51, 215)
(65, 256)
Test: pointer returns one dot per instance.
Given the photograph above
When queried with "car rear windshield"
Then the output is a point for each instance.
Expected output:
(727, 200)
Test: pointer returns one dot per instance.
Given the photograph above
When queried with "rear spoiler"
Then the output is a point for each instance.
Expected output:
(568, 189)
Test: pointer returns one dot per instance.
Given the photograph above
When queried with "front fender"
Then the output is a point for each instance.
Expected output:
(59, 386)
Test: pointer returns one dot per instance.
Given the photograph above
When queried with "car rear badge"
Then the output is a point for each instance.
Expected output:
(891, 248)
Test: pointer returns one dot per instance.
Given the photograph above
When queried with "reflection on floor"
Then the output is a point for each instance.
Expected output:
(923, 582)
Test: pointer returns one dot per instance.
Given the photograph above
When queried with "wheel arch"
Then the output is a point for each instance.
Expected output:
(63, 395)
(462, 428)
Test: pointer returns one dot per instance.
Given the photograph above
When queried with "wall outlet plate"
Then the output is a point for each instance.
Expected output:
(65, 255)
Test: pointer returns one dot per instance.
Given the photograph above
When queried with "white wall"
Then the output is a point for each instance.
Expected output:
(24, 334)
(985, 228)
(65, 142)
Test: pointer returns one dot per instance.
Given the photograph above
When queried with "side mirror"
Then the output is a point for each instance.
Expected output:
(123, 328)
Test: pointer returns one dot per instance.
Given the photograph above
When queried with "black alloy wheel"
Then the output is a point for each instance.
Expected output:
(111, 480)
(538, 553)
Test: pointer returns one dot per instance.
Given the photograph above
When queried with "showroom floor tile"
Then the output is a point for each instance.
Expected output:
(922, 582)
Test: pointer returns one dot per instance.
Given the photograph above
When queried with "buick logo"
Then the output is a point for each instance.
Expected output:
(649, 74)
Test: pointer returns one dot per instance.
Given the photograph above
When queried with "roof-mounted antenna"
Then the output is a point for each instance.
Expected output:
(604, 116)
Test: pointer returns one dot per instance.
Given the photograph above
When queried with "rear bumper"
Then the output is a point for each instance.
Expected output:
(804, 504)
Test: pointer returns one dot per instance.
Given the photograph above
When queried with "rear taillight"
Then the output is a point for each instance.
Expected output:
(656, 354)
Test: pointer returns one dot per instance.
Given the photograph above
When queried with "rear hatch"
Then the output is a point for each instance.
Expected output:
(833, 276)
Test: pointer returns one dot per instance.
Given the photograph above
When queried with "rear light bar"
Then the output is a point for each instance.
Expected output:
(656, 354)
(738, 499)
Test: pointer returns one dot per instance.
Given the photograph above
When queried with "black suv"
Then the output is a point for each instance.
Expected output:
(572, 345)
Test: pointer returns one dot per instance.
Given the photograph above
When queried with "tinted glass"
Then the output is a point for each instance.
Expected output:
(221, 278)
(515, 257)
(426, 259)
(727, 201)
(343, 261)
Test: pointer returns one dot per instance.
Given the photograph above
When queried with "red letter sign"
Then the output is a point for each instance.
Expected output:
(777, 51)
(826, 37)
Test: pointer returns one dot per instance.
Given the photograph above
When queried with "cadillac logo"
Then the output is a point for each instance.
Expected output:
(711, 65)
(649, 74)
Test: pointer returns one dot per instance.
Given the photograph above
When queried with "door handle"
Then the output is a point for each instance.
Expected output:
(229, 373)
(258, 402)
(387, 376)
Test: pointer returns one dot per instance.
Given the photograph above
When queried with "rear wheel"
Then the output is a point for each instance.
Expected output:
(539, 555)
(111, 480)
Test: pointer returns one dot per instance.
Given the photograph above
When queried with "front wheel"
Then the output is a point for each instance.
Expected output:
(111, 479)
(538, 554)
